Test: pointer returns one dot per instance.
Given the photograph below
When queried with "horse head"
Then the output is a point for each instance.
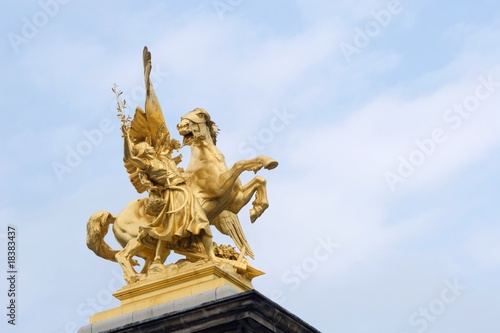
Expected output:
(197, 126)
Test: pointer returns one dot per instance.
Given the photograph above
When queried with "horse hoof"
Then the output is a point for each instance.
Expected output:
(253, 215)
(257, 211)
(133, 279)
(269, 163)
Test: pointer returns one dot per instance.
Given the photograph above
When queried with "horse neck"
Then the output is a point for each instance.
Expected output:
(206, 151)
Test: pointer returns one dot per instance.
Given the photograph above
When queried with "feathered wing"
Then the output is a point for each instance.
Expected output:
(160, 136)
(138, 129)
(228, 223)
(138, 133)
(148, 125)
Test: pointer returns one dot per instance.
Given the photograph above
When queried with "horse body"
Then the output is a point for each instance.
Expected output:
(129, 219)
(203, 173)
(218, 187)
(125, 228)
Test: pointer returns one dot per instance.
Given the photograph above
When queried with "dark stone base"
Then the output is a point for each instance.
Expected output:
(244, 312)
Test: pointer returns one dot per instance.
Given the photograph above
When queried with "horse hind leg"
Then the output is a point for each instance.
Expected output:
(258, 186)
(260, 204)
(151, 258)
(125, 259)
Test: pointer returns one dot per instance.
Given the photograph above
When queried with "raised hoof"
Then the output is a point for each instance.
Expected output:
(253, 215)
(257, 211)
(269, 163)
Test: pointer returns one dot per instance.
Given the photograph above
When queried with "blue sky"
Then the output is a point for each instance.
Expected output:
(388, 151)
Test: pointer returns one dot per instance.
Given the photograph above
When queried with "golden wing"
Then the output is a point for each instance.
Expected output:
(138, 129)
(138, 133)
(148, 125)
(158, 131)
(229, 224)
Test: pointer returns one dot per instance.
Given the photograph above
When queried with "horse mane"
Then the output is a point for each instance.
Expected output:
(214, 130)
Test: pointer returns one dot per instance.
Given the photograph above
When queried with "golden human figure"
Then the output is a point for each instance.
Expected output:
(178, 214)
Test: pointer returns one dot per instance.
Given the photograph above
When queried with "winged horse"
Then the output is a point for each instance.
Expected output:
(217, 188)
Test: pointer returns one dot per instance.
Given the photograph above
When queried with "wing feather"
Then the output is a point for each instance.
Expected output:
(138, 133)
(229, 224)
(133, 175)
(139, 127)
(156, 125)
(148, 125)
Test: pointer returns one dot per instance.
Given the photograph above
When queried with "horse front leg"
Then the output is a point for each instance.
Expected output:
(258, 186)
(228, 178)
(149, 260)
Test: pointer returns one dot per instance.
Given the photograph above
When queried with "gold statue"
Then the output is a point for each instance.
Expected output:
(181, 205)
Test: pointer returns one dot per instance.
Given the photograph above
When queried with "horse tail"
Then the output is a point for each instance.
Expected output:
(97, 228)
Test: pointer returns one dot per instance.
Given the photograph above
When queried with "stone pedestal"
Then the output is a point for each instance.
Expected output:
(175, 282)
(195, 297)
(222, 310)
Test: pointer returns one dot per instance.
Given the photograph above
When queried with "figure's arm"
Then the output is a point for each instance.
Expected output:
(128, 155)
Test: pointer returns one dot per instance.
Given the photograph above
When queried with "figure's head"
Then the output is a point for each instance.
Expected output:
(197, 124)
(144, 149)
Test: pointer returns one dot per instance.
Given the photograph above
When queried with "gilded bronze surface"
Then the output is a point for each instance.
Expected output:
(181, 205)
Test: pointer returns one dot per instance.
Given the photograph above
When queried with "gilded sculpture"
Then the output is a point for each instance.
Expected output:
(181, 205)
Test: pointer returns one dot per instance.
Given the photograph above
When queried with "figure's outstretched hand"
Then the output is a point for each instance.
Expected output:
(124, 129)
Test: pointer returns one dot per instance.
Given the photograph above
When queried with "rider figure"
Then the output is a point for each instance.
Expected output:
(177, 213)
(158, 173)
